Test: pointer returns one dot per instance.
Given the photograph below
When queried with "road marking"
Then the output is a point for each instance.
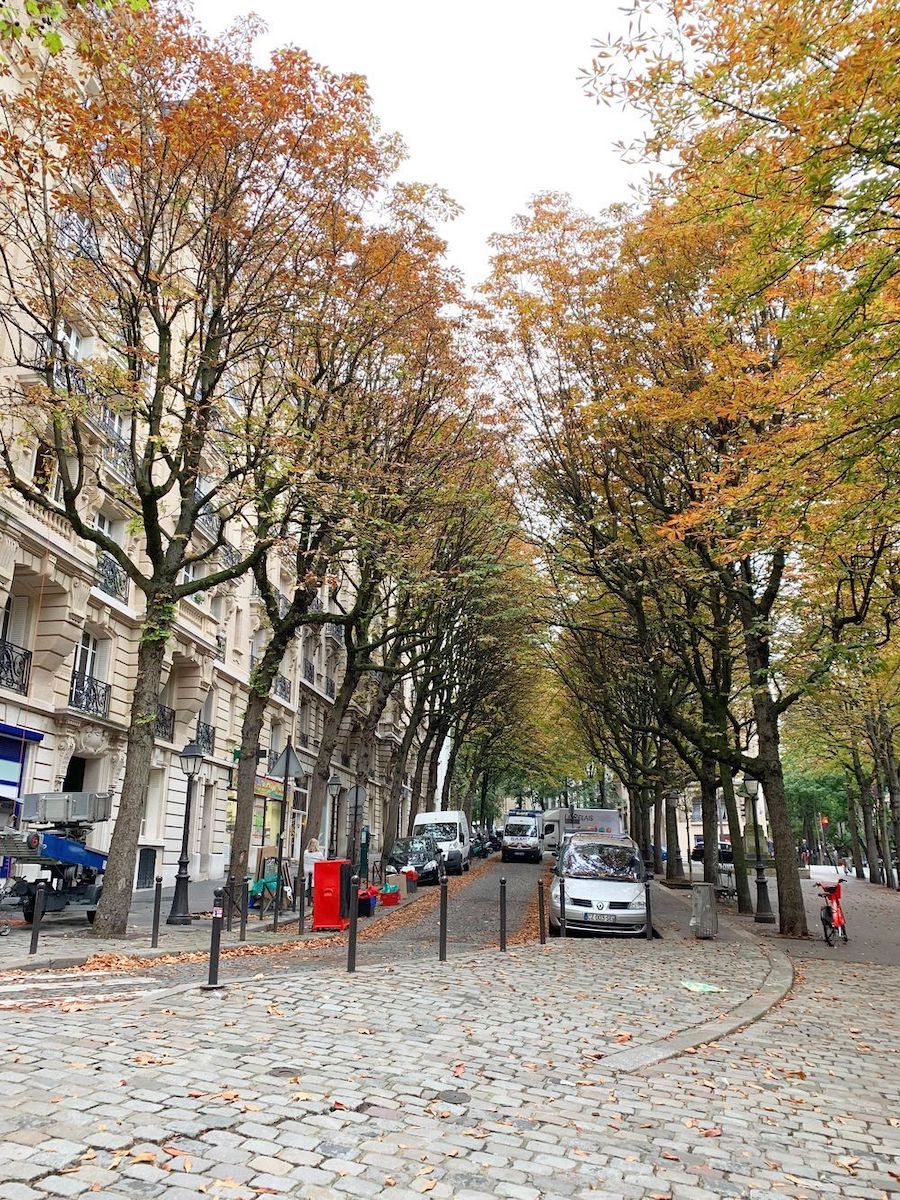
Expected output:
(58, 989)
(28, 985)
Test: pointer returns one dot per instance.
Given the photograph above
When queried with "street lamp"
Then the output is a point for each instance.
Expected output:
(191, 759)
(764, 914)
(334, 790)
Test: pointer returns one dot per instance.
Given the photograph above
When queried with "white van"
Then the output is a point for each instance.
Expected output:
(451, 832)
(522, 836)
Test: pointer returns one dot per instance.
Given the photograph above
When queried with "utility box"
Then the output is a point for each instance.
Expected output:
(704, 919)
(331, 893)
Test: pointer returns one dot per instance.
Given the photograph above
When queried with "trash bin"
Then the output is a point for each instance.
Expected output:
(704, 920)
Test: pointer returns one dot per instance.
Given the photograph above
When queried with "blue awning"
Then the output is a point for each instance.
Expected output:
(16, 731)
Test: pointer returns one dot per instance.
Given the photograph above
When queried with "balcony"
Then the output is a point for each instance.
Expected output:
(205, 737)
(165, 723)
(315, 605)
(302, 739)
(274, 756)
(89, 695)
(221, 646)
(229, 555)
(116, 455)
(330, 687)
(111, 578)
(15, 667)
(209, 523)
(281, 687)
(68, 377)
(309, 670)
(335, 632)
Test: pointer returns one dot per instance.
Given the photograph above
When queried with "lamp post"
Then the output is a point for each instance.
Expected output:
(334, 790)
(191, 758)
(764, 914)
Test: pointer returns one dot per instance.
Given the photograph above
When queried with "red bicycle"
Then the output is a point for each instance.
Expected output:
(832, 912)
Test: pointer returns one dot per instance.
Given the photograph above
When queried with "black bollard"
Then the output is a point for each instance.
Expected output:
(245, 905)
(562, 907)
(354, 919)
(157, 905)
(215, 941)
(542, 931)
(294, 896)
(502, 913)
(301, 919)
(649, 929)
(38, 915)
(229, 904)
(442, 943)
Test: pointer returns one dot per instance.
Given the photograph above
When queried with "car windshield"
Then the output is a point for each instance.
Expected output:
(416, 849)
(444, 831)
(521, 829)
(596, 860)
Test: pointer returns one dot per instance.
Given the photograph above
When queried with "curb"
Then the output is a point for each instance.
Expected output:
(775, 986)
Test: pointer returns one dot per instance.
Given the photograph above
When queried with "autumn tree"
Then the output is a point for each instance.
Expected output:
(163, 196)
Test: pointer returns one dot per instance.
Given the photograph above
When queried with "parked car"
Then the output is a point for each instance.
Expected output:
(604, 885)
(726, 853)
(420, 852)
(450, 830)
(522, 837)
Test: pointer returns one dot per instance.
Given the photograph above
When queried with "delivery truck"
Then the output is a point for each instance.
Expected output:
(559, 822)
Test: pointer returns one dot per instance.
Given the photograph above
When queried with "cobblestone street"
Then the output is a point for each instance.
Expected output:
(575, 1069)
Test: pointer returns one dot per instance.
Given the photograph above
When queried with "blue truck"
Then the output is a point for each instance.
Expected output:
(52, 833)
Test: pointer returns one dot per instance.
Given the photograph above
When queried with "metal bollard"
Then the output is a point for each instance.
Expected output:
(157, 906)
(542, 931)
(354, 919)
(442, 942)
(229, 903)
(502, 913)
(649, 930)
(296, 889)
(38, 915)
(215, 941)
(562, 907)
(301, 919)
(245, 906)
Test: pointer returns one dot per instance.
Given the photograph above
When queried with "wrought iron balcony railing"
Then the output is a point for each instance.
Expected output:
(206, 737)
(229, 555)
(302, 738)
(281, 687)
(15, 667)
(335, 632)
(165, 723)
(116, 455)
(111, 578)
(330, 687)
(89, 695)
(221, 646)
(309, 670)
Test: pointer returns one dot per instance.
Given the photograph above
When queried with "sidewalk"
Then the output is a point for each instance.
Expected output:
(66, 939)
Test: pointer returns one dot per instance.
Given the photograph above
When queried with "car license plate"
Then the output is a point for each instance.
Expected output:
(600, 918)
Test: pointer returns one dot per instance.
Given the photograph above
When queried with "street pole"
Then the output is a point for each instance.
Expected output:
(764, 914)
(289, 749)
(180, 913)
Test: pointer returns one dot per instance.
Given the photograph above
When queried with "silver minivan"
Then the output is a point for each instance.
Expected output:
(604, 885)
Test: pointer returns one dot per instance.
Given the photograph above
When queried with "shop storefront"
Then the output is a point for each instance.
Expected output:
(14, 743)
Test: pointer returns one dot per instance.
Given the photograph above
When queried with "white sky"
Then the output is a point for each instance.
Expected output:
(485, 94)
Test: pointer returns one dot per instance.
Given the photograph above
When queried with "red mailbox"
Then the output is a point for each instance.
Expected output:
(331, 893)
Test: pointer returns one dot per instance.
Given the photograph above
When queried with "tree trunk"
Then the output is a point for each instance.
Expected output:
(470, 793)
(451, 770)
(433, 764)
(888, 871)
(853, 822)
(709, 811)
(118, 881)
(322, 770)
(791, 909)
(674, 865)
(658, 802)
(251, 728)
(741, 880)
(422, 756)
(395, 787)
(865, 804)
(892, 778)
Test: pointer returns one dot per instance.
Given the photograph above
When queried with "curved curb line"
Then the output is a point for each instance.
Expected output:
(775, 987)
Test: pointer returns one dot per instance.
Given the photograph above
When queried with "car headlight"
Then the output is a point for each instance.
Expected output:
(430, 866)
(639, 902)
